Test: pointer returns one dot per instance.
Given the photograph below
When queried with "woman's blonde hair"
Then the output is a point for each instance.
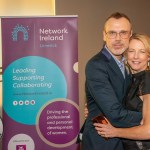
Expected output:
(145, 39)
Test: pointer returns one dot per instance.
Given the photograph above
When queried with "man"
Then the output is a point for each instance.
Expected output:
(106, 84)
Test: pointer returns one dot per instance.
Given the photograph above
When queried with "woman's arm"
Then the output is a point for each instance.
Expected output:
(141, 132)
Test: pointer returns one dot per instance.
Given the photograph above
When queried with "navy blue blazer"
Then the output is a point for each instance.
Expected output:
(105, 90)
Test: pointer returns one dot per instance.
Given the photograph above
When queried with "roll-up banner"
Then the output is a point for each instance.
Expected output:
(40, 83)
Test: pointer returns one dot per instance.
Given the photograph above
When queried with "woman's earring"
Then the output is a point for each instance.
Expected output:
(148, 64)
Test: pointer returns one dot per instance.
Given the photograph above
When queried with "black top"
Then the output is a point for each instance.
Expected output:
(140, 86)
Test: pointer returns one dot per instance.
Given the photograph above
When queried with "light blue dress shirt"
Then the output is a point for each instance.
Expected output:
(119, 63)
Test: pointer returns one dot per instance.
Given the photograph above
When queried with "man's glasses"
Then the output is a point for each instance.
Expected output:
(122, 34)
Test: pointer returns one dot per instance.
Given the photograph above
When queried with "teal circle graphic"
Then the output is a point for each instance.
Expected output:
(29, 83)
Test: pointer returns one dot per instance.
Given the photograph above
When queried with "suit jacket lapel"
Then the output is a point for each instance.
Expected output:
(128, 79)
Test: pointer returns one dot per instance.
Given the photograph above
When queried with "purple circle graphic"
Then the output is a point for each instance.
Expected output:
(59, 121)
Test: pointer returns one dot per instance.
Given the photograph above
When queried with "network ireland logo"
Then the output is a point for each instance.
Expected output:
(19, 28)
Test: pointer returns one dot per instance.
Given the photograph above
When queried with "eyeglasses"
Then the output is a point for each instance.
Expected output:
(122, 34)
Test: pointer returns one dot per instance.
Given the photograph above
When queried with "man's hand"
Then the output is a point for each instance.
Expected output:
(86, 111)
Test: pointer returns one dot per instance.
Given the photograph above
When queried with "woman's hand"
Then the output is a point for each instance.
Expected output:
(106, 130)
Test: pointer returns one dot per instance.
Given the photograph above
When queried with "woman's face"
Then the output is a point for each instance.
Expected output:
(137, 56)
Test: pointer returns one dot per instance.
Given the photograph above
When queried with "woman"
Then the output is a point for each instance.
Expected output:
(138, 97)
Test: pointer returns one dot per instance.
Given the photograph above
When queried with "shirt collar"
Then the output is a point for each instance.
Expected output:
(117, 61)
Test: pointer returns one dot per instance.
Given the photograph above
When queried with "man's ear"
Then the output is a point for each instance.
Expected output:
(104, 35)
(131, 33)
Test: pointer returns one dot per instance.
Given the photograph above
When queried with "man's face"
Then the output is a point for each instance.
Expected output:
(116, 35)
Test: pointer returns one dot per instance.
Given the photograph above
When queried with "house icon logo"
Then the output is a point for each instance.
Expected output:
(19, 28)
